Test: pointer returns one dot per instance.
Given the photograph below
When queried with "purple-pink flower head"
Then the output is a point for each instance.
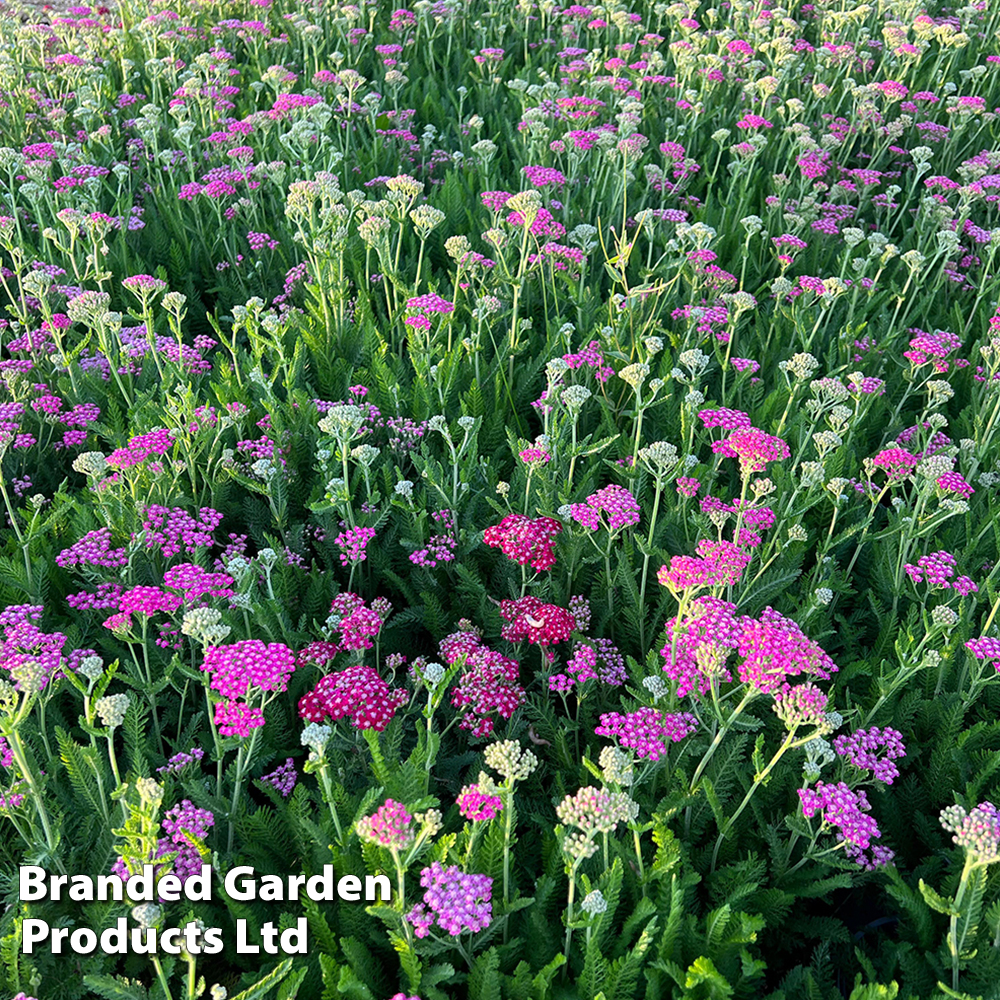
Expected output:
(647, 730)
(976, 832)
(774, 648)
(247, 664)
(873, 750)
(842, 809)
(617, 506)
(456, 901)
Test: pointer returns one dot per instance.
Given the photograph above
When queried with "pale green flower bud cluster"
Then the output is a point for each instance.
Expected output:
(111, 709)
(510, 761)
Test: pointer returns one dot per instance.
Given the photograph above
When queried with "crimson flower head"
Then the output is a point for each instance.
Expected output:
(753, 447)
(524, 540)
(357, 693)
(532, 620)
(488, 684)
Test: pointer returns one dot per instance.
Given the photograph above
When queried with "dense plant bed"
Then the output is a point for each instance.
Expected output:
(500, 501)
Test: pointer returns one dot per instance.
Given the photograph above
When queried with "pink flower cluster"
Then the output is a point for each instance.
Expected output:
(613, 505)
(595, 659)
(441, 548)
(530, 619)
(843, 809)
(352, 543)
(476, 805)
(455, 901)
(896, 463)
(800, 705)
(489, 682)
(389, 826)
(718, 563)
(861, 749)
(358, 623)
(986, 647)
(31, 656)
(936, 570)
(753, 447)
(647, 730)
(141, 447)
(955, 482)
(524, 540)
(195, 582)
(591, 357)
(933, 347)
(357, 693)
(727, 419)
(773, 648)
(173, 530)
(94, 549)
(976, 832)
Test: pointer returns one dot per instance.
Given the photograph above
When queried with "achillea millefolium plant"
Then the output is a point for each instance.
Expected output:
(542, 459)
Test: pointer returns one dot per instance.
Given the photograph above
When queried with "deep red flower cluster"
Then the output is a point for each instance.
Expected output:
(357, 693)
(525, 540)
(488, 684)
(530, 619)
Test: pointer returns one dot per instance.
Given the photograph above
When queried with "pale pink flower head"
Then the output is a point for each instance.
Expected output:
(389, 826)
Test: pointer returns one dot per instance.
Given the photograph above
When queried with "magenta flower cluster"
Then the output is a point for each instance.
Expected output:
(862, 749)
(455, 901)
(241, 670)
(389, 826)
(358, 694)
(442, 545)
(647, 730)
(476, 805)
(173, 530)
(530, 619)
(525, 541)
(613, 505)
(843, 809)
(773, 648)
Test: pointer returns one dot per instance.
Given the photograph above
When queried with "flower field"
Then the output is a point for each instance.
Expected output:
(537, 463)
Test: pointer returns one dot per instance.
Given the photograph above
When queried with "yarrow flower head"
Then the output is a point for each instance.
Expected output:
(647, 730)
(477, 802)
(389, 826)
(613, 506)
(717, 563)
(862, 748)
(977, 832)
(358, 694)
(455, 901)
(842, 809)
(801, 705)
(525, 541)
(510, 761)
(753, 447)
(530, 619)
(489, 682)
